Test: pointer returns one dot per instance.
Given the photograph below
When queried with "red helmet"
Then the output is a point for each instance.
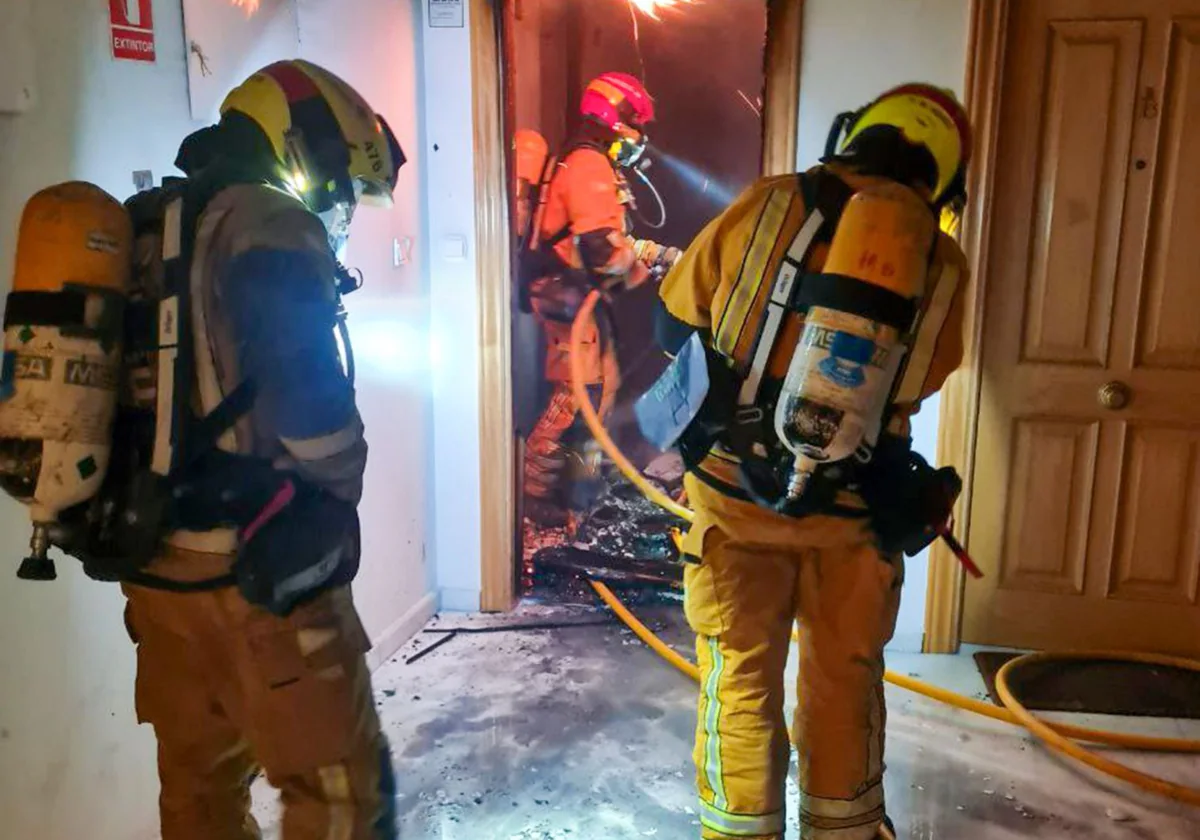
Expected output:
(617, 99)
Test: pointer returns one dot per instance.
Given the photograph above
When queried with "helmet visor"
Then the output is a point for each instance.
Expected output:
(379, 192)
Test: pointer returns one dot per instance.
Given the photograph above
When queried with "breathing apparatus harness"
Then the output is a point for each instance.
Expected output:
(168, 472)
(907, 501)
(537, 256)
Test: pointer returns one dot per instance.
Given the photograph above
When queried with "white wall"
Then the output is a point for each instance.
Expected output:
(853, 51)
(72, 759)
(372, 45)
(449, 190)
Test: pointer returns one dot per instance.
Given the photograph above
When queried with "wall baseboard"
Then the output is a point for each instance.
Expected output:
(906, 643)
(401, 630)
(460, 600)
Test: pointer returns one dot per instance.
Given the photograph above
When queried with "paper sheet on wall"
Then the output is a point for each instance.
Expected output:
(446, 13)
(17, 89)
(228, 42)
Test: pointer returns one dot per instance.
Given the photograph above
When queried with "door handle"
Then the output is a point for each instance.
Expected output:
(1114, 395)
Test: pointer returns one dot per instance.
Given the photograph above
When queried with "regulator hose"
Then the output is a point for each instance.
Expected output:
(1060, 737)
(662, 207)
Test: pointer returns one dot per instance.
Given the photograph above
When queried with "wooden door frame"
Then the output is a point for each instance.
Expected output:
(497, 468)
(959, 419)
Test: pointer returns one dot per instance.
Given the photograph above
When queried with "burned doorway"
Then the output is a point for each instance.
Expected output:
(702, 62)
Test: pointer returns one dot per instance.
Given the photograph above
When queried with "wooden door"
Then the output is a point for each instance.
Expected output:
(1086, 502)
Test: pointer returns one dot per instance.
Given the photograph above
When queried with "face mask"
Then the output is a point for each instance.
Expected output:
(337, 226)
(628, 149)
(337, 222)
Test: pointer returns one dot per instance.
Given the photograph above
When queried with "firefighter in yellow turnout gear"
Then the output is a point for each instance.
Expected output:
(824, 564)
(217, 452)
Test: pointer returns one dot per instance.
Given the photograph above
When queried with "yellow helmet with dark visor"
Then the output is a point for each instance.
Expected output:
(922, 130)
(332, 147)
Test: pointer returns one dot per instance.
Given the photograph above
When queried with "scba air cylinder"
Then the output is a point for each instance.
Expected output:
(62, 354)
(861, 308)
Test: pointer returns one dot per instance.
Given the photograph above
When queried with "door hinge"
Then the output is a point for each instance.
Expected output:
(1150, 103)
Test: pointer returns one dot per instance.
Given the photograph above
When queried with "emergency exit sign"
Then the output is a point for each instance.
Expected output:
(132, 29)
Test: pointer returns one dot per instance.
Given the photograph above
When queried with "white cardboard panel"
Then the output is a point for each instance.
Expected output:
(226, 43)
(17, 89)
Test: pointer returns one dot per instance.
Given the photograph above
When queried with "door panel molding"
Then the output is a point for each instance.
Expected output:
(497, 448)
(959, 417)
(493, 279)
(1159, 561)
(1170, 339)
(781, 97)
(1082, 95)
(1055, 462)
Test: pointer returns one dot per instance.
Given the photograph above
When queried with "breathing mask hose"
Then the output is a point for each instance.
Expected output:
(1058, 736)
(348, 282)
(639, 171)
(347, 348)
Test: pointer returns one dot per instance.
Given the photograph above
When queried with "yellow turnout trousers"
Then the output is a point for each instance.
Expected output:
(230, 689)
(754, 574)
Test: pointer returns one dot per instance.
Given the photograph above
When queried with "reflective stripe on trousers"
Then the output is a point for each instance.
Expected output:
(759, 574)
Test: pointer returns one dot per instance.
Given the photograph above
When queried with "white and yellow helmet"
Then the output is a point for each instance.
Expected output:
(332, 147)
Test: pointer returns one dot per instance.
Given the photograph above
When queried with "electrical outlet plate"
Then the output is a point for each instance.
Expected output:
(454, 248)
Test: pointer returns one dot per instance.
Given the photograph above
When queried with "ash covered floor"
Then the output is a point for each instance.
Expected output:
(583, 734)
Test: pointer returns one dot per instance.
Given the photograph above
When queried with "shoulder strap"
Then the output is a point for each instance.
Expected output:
(174, 335)
(927, 330)
(825, 196)
(540, 198)
(180, 438)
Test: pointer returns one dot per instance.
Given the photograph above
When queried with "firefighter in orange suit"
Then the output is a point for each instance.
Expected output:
(754, 572)
(582, 241)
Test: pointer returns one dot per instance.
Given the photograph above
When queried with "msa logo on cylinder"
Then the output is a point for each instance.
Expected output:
(90, 374)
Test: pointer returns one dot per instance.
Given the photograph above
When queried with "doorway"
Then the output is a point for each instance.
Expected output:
(1085, 510)
(706, 145)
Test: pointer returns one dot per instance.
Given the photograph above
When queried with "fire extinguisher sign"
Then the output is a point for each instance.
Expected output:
(132, 29)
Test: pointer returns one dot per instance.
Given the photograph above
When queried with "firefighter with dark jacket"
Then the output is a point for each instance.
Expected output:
(824, 552)
(269, 672)
(582, 240)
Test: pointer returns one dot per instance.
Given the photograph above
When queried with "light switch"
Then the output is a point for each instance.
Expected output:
(454, 248)
(401, 251)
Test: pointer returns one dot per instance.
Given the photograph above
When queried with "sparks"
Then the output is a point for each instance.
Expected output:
(756, 106)
(651, 8)
(249, 6)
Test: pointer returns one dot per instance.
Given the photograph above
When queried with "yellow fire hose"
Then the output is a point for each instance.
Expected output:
(1060, 737)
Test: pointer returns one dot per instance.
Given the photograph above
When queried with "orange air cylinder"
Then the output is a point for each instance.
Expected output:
(62, 354)
(847, 359)
(530, 153)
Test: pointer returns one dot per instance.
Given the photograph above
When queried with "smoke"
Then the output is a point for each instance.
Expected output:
(696, 179)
